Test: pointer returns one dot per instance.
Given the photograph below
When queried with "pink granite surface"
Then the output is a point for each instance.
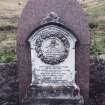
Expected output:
(74, 18)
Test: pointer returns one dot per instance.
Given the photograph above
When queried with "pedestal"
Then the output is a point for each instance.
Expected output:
(48, 95)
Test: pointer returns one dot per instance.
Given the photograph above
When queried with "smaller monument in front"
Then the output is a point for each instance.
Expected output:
(52, 47)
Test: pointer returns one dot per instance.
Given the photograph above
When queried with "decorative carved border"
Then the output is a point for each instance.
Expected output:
(39, 51)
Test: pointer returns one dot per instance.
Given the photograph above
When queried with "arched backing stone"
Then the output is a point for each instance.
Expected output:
(74, 18)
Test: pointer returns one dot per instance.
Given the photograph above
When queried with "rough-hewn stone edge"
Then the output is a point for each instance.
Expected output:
(9, 91)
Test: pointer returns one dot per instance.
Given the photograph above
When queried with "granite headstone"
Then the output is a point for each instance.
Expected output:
(53, 47)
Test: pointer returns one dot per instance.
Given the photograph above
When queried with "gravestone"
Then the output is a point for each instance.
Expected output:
(53, 53)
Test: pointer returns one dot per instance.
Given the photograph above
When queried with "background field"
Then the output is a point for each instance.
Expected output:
(10, 11)
(96, 17)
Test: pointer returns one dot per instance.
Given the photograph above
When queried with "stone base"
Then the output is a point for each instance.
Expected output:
(38, 95)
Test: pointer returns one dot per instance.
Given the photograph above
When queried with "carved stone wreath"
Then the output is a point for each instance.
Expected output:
(52, 48)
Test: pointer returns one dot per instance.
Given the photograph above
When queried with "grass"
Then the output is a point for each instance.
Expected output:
(96, 18)
(97, 11)
(7, 43)
(9, 14)
(8, 56)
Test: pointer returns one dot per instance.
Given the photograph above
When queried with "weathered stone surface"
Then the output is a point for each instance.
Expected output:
(8, 84)
(24, 68)
(82, 67)
(74, 18)
(61, 95)
(69, 10)
(97, 82)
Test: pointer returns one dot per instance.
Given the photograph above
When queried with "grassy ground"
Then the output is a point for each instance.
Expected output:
(96, 18)
(11, 9)
(9, 12)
